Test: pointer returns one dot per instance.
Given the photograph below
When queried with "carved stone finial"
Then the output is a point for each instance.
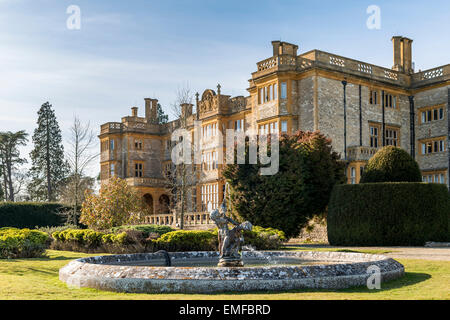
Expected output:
(218, 88)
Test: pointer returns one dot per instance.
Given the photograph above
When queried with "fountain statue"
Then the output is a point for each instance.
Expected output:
(194, 272)
(229, 240)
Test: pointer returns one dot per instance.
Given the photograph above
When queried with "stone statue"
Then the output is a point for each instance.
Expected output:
(229, 240)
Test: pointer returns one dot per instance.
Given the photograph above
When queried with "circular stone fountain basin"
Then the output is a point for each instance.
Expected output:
(196, 272)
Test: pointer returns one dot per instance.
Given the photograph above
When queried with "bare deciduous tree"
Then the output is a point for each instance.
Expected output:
(79, 156)
(182, 177)
(183, 95)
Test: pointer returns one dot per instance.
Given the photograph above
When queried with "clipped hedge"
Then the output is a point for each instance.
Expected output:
(22, 243)
(87, 240)
(141, 239)
(388, 214)
(78, 239)
(32, 214)
(146, 229)
(115, 239)
(187, 240)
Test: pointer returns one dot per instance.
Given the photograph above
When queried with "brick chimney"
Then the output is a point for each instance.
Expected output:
(134, 111)
(402, 54)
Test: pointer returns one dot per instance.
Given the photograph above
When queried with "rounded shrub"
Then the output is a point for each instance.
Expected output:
(22, 243)
(391, 164)
(388, 214)
(264, 238)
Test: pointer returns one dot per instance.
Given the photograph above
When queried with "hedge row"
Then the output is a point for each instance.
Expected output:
(22, 243)
(86, 239)
(388, 214)
(31, 214)
(146, 229)
(134, 240)
(187, 240)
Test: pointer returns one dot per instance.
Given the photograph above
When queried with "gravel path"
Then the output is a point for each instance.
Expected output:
(423, 253)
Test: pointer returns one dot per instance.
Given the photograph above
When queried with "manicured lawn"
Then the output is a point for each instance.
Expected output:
(38, 279)
(370, 251)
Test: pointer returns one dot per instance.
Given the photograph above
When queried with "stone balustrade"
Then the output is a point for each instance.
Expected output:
(441, 73)
(111, 127)
(154, 182)
(317, 58)
(360, 153)
(132, 124)
(332, 61)
(192, 219)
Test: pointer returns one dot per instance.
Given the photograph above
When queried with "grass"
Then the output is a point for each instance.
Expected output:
(38, 279)
(370, 251)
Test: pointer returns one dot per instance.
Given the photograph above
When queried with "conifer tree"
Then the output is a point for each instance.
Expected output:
(162, 117)
(48, 165)
(10, 160)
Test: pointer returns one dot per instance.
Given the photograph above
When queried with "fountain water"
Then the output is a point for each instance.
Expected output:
(269, 258)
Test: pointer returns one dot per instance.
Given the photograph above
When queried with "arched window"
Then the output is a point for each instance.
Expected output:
(164, 204)
(148, 200)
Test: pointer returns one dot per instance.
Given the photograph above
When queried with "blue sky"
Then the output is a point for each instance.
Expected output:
(128, 50)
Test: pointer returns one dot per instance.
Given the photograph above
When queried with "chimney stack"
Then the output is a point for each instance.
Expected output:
(151, 110)
(402, 54)
(134, 111)
(186, 110)
(280, 48)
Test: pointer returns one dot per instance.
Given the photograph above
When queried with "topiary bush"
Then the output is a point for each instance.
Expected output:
(31, 214)
(22, 243)
(388, 214)
(391, 164)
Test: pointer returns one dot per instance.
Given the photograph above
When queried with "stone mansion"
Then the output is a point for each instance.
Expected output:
(360, 106)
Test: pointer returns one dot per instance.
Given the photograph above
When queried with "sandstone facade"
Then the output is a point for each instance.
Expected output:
(287, 92)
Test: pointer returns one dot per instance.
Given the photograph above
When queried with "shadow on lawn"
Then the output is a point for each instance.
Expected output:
(409, 279)
(54, 258)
